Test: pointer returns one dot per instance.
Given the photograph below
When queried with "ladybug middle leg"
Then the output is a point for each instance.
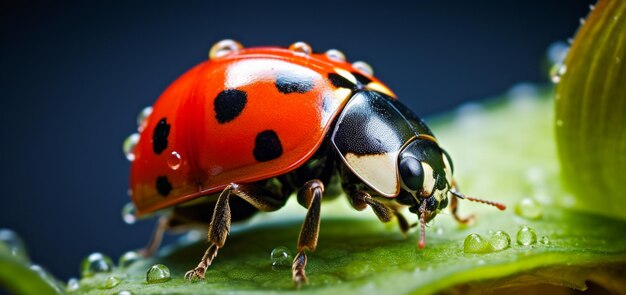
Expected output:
(256, 195)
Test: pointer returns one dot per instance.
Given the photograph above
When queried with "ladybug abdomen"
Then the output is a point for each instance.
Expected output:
(240, 119)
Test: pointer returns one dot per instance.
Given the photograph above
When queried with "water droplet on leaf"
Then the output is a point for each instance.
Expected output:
(158, 273)
(280, 256)
(475, 243)
(11, 242)
(48, 278)
(526, 236)
(72, 285)
(95, 263)
(500, 240)
(111, 282)
(529, 208)
(545, 240)
(128, 258)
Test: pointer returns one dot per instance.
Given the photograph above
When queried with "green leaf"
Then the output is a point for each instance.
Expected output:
(502, 151)
(591, 112)
(18, 278)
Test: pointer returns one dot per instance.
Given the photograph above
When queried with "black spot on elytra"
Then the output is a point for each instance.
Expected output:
(340, 82)
(229, 104)
(267, 146)
(361, 78)
(159, 137)
(163, 186)
(289, 84)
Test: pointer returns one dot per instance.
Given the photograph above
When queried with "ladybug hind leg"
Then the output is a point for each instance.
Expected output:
(255, 195)
(310, 197)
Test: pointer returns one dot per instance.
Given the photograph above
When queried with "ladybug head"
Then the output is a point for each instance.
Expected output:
(426, 174)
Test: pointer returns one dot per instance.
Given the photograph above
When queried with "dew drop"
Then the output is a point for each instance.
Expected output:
(95, 263)
(581, 20)
(128, 213)
(544, 240)
(48, 278)
(128, 258)
(529, 208)
(129, 146)
(559, 123)
(335, 54)
(111, 282)
(223, 48)
(499, 241)
(142, 118)
(158, 273)
(526, 236)
(557, 51)
(280, 256)
(11, 243)
(301, 47)
(475, 243)
(72, 285)
(174, 160)
(557, 71)
(125, 292)
(592, 7)
(363, 67)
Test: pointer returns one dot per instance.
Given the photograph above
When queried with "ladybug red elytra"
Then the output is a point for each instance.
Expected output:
(246, 129)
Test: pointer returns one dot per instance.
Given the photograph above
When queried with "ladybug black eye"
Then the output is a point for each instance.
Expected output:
(412, 173)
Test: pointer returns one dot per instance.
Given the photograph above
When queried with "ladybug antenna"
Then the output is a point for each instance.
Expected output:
(492, 203)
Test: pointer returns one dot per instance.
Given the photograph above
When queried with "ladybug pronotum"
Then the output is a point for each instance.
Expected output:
(243, 131)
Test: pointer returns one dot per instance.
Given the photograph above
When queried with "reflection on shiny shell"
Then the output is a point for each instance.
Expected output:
(301, 47)
(223, 48)
(335, 54)
(363, 67)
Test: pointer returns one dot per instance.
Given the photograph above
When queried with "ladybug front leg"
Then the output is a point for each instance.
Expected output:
(360, 200)
(454, 206)
(310, 197)
(256, 195)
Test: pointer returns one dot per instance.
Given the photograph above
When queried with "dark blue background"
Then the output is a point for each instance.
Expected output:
(74, 76)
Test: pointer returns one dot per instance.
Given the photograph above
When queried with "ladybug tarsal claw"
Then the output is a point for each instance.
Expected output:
(195, 274)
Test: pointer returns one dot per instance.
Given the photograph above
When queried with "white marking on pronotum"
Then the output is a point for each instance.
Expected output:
(375, 169)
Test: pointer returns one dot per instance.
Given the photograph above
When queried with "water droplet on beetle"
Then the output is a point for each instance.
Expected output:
(128, 213)
(475, 243)
(581, 21)
(592, 7)
(11, 243)
(174, 160)
(158, 273)
(223, 48)
(544, 240)
(128, 258)
(557, 51)
(142, 118)
(72, 285)
(526, 236)
(335, 54)
(281, 256)
(499, 241)
(129, 146)
(95, 263)
(529, 208)
(363, 67)
(111, 282)
(301, 47)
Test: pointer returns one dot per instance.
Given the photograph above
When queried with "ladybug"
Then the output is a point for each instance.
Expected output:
(243, 131)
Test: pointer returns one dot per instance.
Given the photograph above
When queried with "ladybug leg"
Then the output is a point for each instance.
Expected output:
(163, 224)
(454, 206)
(310, 197)
(360, 200)
(257, 196)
